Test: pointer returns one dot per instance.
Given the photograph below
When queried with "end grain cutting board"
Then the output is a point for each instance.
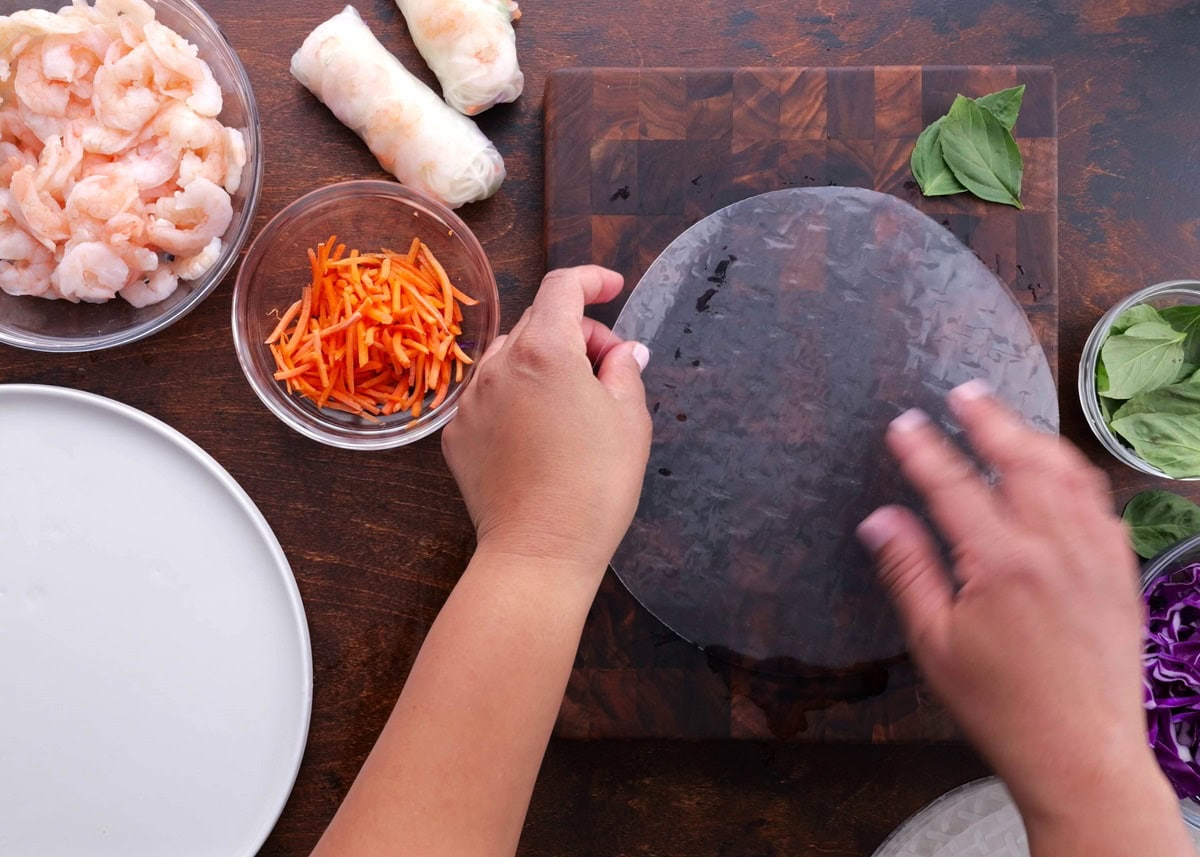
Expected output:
(636, 156)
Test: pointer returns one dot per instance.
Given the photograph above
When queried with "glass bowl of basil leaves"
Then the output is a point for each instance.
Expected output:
(1139, 380)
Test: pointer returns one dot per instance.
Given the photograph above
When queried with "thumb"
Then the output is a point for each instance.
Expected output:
(911, 570)
(621, 372)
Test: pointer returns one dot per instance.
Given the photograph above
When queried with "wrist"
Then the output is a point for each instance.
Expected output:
(557, 557)
(1126, 805)
(568, 553)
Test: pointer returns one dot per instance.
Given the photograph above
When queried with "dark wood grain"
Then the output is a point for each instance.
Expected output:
(374, 563)
(753, 130)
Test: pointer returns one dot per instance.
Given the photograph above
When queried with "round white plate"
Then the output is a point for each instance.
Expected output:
(155, 670)
(975, 820)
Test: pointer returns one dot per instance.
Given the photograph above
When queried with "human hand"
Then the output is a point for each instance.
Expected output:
(1038, 654)
(549, 456)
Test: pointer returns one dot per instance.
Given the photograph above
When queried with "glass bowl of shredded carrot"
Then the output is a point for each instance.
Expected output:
(361, 312)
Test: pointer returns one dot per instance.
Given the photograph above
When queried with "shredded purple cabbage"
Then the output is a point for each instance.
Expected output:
(1172, 677)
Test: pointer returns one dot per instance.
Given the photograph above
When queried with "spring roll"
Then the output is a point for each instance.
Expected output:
(412, 132)
(471, 47)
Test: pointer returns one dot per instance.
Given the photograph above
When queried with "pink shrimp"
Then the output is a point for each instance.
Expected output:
(37, 211)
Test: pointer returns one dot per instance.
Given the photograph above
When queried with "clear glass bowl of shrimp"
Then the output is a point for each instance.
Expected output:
(367, 217)
(122, 257)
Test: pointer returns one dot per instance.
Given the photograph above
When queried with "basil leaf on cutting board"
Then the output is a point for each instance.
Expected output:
(934, 173)
(1146, 356)
(1004, 105)
(982, 153)
(1185, 319)
(929, 167)
(1158, 519)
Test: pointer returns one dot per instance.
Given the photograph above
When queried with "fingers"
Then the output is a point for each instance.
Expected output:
(598, 339)
(565, 292)
(959, 501)
(913, 575)
(621, 372)
(1042, 476)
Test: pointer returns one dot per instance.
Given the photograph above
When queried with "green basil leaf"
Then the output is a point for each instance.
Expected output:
(1186, 319)
(1186, 370)
(1171, 442)
(1158, 519)
(929, 167)
(1004, 105)
(1146, 356)
(1135, 315)
(1180, 399)
(981, 153)
(1108, 405)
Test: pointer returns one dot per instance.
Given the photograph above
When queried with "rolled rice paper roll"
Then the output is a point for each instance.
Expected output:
(471, 47)
(412, 132)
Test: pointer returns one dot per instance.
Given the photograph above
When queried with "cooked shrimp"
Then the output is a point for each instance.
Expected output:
(105, 141)
(17, 245)
(236, 157)
(122, 96)
(184, 223)
(195, 267)
(107, 208)
(38, 212)
(13, 129)
(137, 11)
(152, 290)
(29, 276)
(74, 59)
(179, 72)
(90, 271)
(182, 126)
(13, 158)
(37, 92)
(152, 164)
(59, 166)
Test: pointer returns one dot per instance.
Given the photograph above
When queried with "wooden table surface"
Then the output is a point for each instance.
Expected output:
(375, 553)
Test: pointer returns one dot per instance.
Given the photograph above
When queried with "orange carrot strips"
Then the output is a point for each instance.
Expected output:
(373, 334)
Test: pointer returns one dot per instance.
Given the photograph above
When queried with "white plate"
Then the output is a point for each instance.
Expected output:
(155, 670)
(975, 820)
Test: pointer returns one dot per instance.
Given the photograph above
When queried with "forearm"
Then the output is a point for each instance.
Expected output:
(453, 771)
(1135, 813)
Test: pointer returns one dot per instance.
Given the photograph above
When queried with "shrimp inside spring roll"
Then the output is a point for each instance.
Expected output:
(412, 132)
(471, 47)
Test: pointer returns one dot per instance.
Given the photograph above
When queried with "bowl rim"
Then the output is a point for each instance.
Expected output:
(1089, 357)
(78, 345)
(269, 392)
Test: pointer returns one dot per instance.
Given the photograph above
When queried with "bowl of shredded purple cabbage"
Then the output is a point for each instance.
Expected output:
(1171, 588)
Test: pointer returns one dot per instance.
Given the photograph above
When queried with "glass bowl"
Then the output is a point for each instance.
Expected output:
(60, 326)
(367, 216)
(1159, 296)
(1168, 562)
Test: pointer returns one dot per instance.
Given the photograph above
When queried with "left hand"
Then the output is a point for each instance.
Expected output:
(549, 456)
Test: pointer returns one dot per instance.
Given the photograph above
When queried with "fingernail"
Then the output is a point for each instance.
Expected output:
(971, 391)
(910, 420)
(642, 355)
(877, 530)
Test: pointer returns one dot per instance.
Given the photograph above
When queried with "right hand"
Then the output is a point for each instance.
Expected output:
(1038, 653)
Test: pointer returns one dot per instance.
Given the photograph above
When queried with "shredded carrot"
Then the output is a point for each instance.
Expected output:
(373, 334)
